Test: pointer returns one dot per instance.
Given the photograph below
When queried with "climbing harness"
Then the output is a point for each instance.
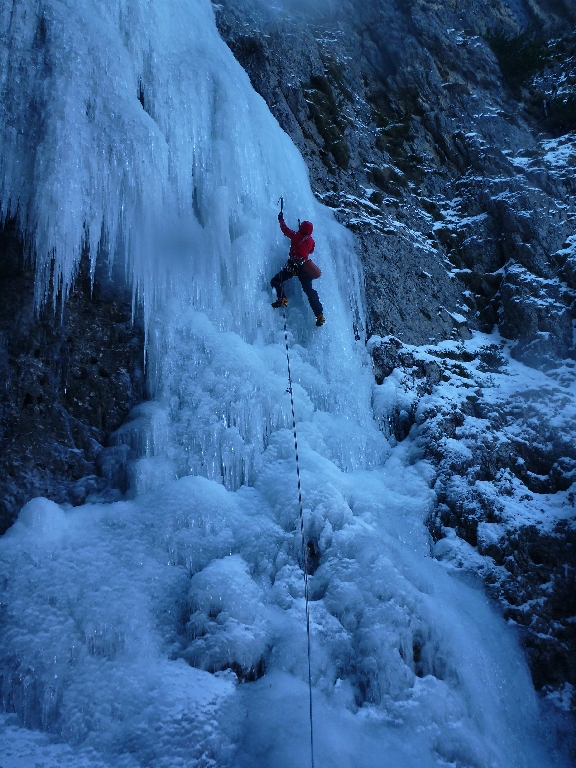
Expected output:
(304, 547)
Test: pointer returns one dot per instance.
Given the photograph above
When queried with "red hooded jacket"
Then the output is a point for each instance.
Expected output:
(302, 244)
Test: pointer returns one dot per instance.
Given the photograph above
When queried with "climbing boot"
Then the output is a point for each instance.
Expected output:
(280, 303)
(320, 320)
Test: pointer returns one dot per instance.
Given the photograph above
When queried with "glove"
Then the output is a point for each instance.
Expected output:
(280, 216)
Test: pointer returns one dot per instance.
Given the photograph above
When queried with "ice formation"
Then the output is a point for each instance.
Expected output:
(168, 629)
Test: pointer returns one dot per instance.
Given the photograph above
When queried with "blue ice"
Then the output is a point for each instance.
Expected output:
(168, 629)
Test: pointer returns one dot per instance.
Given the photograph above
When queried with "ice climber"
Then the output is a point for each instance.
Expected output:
(299, 265)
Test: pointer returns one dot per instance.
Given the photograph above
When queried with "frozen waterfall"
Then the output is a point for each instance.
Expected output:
(168, 629)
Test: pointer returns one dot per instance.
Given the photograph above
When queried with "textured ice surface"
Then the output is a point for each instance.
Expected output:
(169, 629)
(108, 606)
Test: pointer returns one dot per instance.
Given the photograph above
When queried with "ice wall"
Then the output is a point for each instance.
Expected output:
(168, 629)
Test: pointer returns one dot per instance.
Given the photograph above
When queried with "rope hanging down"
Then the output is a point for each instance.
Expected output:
(304, 547)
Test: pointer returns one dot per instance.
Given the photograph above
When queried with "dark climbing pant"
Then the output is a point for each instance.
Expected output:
(284, 275)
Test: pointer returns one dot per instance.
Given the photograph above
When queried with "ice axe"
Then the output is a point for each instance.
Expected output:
(281, 203)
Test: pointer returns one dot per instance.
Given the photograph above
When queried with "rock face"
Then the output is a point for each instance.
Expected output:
(442, 135)
(68, 381)
(501, 438)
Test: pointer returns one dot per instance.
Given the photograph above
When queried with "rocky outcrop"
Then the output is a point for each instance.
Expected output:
(70, 376)
(501, 439)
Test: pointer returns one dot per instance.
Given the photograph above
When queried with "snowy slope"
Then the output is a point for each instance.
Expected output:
(168, 629)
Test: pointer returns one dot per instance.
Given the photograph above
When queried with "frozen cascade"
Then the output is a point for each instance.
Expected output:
(168, 629)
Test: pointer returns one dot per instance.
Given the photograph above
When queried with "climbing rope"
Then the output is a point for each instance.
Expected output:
(304, 547)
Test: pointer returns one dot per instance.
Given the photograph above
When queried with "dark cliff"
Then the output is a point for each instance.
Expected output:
(69, 377)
